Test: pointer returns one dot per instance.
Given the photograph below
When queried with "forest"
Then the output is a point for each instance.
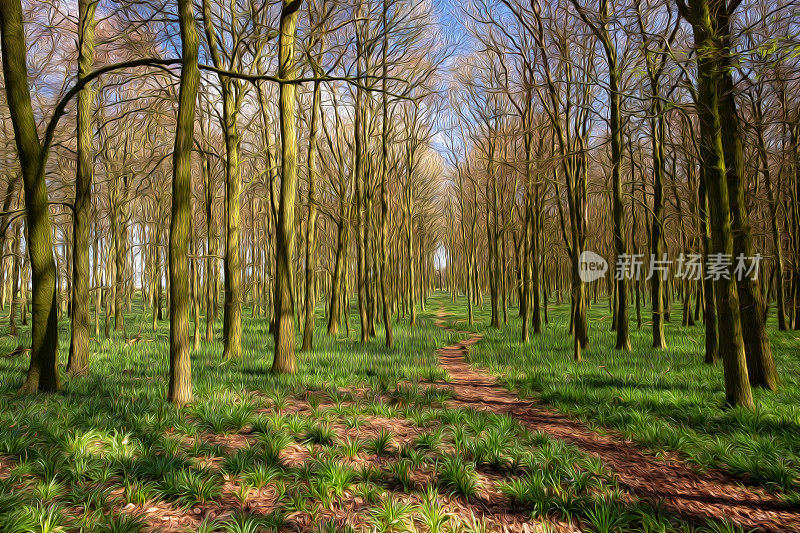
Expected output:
(400, 266)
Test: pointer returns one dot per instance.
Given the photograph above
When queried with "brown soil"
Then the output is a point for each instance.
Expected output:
(672, 484)
(490, 506)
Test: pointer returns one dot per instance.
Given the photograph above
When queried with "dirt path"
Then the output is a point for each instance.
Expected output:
(672, 484)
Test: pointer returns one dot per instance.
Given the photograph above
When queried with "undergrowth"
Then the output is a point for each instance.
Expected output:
(360, 439)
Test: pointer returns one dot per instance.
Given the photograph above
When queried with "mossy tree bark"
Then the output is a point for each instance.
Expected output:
(78, 362)
(760, 364)
(180, 367)
(43, 371)
(657, 226)
(705, 17)
(794, 144)
(284, 361)
(710, 312)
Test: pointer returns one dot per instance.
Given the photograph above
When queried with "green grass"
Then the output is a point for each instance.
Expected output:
(107, 449)
(665, 400)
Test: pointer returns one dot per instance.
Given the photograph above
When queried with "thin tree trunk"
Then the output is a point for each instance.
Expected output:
(194, 263)
(232, 318)
(311, 226)
(387, 320)
(335, 308)
(120, 254)
(180, 369)
(710, 313)
(78, 362)
(16, 248)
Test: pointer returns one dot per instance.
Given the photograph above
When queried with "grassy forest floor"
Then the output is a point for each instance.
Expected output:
(664, 400)
(362, 439)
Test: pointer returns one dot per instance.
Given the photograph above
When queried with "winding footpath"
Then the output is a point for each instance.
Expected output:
(669, 483)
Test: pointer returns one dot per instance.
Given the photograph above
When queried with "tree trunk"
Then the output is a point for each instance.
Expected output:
(311, 226)
(705, 18)
(211, 250)
(387, 319)
(120, 253)
(760, 365)
(284, 361)
(657, 299)
(710, 314)
(194, 264)
(620, 246)
(335, 307)
(232, 318)
(180, 365)
(412, 300)
(78, 362)
(16, 249)
(773, 200)
(43, 371)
